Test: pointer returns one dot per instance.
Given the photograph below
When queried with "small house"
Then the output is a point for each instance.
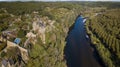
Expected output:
(17, 41)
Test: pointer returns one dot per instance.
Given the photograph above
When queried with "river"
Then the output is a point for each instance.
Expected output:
(78, 52)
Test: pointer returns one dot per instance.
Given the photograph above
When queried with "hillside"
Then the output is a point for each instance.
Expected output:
(42, 30)
(104, 31)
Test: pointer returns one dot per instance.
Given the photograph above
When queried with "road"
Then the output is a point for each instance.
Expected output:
(78, 52)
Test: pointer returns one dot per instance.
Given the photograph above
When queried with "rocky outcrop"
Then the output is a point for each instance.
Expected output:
(31, 37)
(13, 50)
(39, 27)
(42, 25)
(24, 52)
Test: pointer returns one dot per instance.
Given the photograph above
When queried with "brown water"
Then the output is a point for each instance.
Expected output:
(78, 52)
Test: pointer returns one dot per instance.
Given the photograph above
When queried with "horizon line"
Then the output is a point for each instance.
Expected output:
(59, 0)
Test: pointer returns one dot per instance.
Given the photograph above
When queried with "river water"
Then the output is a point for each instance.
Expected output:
(78, 52)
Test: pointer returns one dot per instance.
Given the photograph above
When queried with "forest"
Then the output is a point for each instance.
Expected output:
(103, 29)
(104, 32)
(41, 54)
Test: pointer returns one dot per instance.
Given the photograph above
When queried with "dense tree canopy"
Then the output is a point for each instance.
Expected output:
(106, 27)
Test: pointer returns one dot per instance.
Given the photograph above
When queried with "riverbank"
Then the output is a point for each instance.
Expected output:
(102, 30)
